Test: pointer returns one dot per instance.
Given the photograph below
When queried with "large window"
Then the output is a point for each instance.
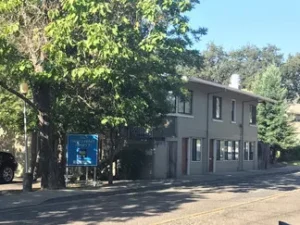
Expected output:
(252, 114)
(233, 111)
(249, 149)
(217, 107)
(185, 104)
(227, 150)
(196, 150)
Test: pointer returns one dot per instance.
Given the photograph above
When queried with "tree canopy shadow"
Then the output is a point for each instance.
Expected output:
(279, 182)
(118, 208)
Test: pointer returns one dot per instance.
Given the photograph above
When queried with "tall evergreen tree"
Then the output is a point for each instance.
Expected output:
(273, 122)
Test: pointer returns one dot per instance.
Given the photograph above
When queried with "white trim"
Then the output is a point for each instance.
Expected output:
(226, 88)
(252, 125)
(216, 120)
(215, 155)
(180, 115)
(189, 156)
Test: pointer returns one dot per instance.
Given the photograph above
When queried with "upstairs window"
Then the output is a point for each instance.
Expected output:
(217, 108)
(185, 104)
(171, 98)
(233, 111)
(252, 114)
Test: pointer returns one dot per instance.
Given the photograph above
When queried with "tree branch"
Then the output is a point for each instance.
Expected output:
(19, 95)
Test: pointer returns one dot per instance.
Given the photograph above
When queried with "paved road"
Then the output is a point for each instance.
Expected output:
(263, 200)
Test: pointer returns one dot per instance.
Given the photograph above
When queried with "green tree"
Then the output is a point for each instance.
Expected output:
(251, 60)
(95, 62)
(291, 76)
(273, 122)
(216, 64)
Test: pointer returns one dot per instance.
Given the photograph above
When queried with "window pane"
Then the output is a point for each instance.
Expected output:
(246, 151)
(180, 106)
(172, 100)
(214, 107)
(252, 114)
(236, 156)
(185, 104)
(218, 106)
(230, 150)
(196, 150)
(187, 107)
(218, 150)
(222, 146)
(252, 149)
(226, 150)
(251, 121)
(233, 110)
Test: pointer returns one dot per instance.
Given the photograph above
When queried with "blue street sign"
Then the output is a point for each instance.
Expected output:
(82, 150)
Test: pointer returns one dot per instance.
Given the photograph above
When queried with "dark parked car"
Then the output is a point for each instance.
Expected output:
(8, 166)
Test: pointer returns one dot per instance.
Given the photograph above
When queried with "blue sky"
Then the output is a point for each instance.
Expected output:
(234, 23)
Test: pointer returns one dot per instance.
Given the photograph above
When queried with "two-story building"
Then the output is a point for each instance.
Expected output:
(213, 130)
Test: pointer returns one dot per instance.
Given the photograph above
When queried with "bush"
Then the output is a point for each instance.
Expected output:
(134, 161)
(290, 154)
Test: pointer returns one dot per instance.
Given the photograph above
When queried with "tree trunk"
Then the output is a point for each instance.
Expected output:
(61, 155)
(34, 153)
(110, 172)
(42, 98)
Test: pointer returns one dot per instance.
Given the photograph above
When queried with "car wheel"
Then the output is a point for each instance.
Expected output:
(7, 174)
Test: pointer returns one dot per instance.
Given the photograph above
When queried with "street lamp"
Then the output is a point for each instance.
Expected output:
(27, 179)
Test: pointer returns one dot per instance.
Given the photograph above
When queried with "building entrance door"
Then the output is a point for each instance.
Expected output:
(172, 159)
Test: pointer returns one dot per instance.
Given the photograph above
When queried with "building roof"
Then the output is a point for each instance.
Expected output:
(226, 88)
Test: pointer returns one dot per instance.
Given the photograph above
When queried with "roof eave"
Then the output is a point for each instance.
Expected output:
(209, 83)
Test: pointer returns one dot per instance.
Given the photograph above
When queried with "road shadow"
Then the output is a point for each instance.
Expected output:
(279, 182)
(118, 208)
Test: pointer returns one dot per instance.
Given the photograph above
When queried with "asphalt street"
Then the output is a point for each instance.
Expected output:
(261, 200)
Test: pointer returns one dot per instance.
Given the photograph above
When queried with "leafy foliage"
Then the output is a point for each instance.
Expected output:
(291, 76)
(94, 65)
(273, 122)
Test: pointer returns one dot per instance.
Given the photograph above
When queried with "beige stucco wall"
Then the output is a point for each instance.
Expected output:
(160, 159)
(13, 143)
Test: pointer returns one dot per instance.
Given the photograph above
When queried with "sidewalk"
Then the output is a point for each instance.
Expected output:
(9, 202)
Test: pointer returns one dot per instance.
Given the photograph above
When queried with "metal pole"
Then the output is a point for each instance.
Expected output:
(25, 138)
(95, 176)
(67, 176)
(86, 174)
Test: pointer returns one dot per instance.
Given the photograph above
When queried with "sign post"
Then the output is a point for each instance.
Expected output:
(82, 150)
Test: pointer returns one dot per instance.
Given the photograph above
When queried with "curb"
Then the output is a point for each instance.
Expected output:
(216, 181)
